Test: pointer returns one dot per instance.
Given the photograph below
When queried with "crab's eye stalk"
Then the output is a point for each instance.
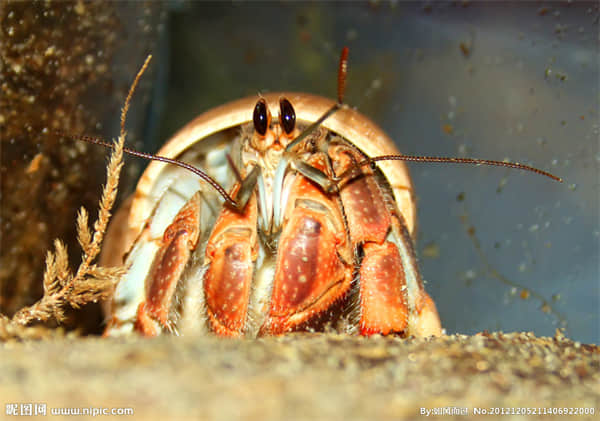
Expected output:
(287, 116)
(260, 117)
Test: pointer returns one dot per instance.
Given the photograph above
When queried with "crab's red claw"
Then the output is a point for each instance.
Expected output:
(309, 276)
(311, 273)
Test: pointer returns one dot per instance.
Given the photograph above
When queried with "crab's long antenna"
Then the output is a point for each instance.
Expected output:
(342, 72)
(98, 141)
(197, 171)
(473, 161)
(234, 168)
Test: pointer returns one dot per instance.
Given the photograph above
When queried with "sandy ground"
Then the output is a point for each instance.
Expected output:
(302, 376)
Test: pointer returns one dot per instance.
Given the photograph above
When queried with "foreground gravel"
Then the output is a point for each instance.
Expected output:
(302, 376)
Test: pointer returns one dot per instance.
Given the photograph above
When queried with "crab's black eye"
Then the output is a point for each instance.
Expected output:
(287, 115)
(260, 117)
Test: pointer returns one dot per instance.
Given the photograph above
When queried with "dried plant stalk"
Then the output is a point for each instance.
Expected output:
(90, 283)
(12, 330)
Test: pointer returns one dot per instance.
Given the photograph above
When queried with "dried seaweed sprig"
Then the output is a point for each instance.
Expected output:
(11, 330)
(90, 282)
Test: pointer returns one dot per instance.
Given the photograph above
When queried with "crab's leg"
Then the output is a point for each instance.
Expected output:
(231, 252)
(383, 295)
(179, 239)
(392, 297)
(423, 317)
(314, 262)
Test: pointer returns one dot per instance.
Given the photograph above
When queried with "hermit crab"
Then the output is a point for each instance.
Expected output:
(272, 214)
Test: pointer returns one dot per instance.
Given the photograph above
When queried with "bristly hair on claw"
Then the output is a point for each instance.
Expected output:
(90, 282)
